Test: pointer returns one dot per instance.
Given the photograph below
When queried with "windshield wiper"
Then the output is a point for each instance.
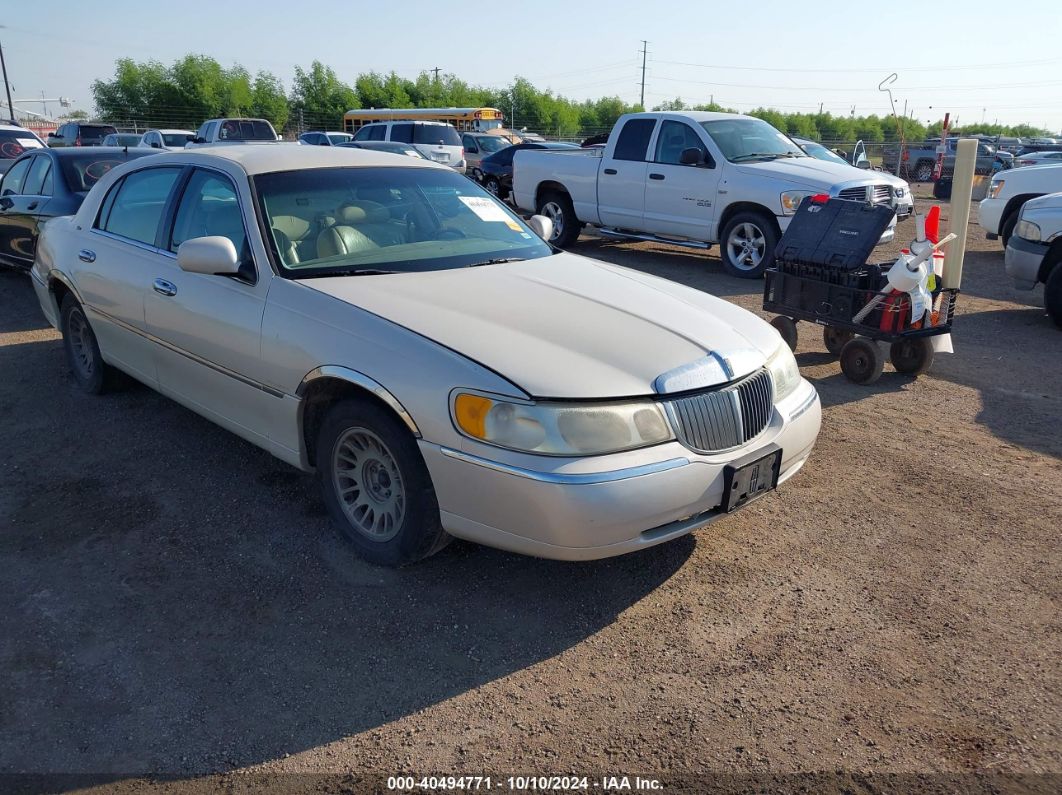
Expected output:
(347, 272)
(771, 155)
(497, 261)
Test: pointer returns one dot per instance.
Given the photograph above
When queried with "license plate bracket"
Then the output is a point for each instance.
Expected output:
(749, 478)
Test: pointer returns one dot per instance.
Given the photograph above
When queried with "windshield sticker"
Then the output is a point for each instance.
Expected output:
(486, 209)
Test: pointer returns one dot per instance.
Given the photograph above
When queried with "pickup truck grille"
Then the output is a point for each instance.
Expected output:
(882, 194)
(723, 418)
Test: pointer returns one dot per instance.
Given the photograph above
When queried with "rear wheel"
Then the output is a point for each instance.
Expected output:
(835, 339)
(493, 186)
(911, 356)
(92, 374)
(557, 207)
(861, 361)
(748, 243)
(376, 485)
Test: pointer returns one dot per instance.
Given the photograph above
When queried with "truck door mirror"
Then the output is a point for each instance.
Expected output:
(541, 226)
(691, 156)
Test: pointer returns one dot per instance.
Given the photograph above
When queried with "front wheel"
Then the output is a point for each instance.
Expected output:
(493, 187)
(1007, 228)
(835, 339)
(557, 207)
(376, 485)
(861, 360)
(749, 240)
(1053, 294)
(787, 328)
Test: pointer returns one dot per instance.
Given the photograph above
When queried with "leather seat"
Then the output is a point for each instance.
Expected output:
(373, 220)
(342, 239)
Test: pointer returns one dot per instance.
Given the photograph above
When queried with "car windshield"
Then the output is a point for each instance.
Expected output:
(389, 219)
(246, 130)
(748, 140)
(176, 139)
(14, 142)
(820, 152)
(492, 143)
(435, 134)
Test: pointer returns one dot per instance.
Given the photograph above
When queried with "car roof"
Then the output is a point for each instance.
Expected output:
(74, 151)
(281, 156)
(697, 115)
(409, 121)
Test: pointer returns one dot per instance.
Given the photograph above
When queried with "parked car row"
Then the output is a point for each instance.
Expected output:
(392, 327)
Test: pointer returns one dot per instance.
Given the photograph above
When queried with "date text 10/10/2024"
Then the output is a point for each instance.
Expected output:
(525, 783)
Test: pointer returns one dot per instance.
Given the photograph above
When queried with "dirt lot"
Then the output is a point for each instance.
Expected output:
(175, 601)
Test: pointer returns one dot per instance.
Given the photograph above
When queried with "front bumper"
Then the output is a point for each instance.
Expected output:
(988, 216)
(1023, 260)
(598, 507)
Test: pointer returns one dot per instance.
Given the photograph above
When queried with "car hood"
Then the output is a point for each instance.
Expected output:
(1052, 201)
(810, 171)
(568, 327)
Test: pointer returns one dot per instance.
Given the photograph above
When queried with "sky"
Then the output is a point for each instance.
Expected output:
(979, 63)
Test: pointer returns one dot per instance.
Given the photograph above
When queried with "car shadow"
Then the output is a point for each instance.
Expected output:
(177, 602)
(20, 308)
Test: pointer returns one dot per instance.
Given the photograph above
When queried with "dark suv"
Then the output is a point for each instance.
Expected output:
(75, 133)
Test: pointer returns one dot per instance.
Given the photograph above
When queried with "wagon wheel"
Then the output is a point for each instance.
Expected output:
(788, 329)
(911, 356)
(861, 360)
(835, 339)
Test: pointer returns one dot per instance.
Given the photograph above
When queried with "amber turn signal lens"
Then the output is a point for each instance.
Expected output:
(471, 414)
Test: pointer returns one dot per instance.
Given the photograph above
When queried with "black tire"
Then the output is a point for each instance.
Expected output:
(92, 374)
(924, 171)
(1006, 229)
(788, 329)
(415, 530)
(557, 206)
(493, 185)
(861, 361)
(835, 339)
(1053, 294)
(747, 244)
(911, 356)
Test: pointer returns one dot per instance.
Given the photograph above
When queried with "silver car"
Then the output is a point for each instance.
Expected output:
(387, 324)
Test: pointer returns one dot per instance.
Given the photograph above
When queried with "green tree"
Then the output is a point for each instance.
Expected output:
(320, 96)
(268, 100)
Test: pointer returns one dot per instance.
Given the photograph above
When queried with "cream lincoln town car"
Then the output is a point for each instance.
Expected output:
(387, 323)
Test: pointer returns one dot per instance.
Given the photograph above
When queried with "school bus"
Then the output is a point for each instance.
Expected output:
(464, 119)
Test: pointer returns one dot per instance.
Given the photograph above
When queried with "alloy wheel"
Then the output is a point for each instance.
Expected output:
(369, 484)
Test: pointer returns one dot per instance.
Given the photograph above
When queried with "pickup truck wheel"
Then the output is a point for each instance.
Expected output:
(92, 374)
(1053, 294)
(749, 240)
(924, 171)
(1006, 229)
(376, 486)
(558, 208)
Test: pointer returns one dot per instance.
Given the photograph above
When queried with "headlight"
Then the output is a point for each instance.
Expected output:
(1027, 230)
(784, 372)
(996, 187)
(564, 429)
(791, 200)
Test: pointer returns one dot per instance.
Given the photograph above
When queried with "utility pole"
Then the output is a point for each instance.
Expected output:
(436, 71)
(7, 86)
(820, 108)
(645, 46)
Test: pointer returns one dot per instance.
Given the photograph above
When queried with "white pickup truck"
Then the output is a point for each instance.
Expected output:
(688, 178)
(232, 131)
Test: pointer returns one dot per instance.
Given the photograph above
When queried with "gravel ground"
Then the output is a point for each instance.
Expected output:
(175, 602)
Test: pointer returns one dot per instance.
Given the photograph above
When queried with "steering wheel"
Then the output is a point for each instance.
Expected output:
(448, 233)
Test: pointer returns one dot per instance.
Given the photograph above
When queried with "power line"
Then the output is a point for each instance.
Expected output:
(1006, 65)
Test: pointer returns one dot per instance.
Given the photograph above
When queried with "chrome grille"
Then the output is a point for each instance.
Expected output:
(723, 418)
(882, 194)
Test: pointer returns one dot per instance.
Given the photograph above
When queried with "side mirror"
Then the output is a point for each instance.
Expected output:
(541, 226)
(863, 164)
(199, 140)
(213, 255)
(691, 156)
(472, 150)
(156, 145)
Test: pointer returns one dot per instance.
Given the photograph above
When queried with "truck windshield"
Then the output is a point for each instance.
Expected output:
(746, 140)
(246, 130)
(368, 220)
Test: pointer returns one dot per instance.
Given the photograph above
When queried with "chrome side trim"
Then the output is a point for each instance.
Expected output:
(188, 355)
(803, 407)
(560, 478)
(364, 381)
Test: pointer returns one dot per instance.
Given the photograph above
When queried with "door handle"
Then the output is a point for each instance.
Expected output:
(6, 203)
(610, 171)
(32, 206)
(86, 256)
(163, 287)
(656, 176)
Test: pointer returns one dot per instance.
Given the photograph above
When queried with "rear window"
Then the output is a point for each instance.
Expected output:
(13, 143)
(436, 134)
(246, 130)
(95, 130)
(82, 171)
(178, 139)
(634, 139)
